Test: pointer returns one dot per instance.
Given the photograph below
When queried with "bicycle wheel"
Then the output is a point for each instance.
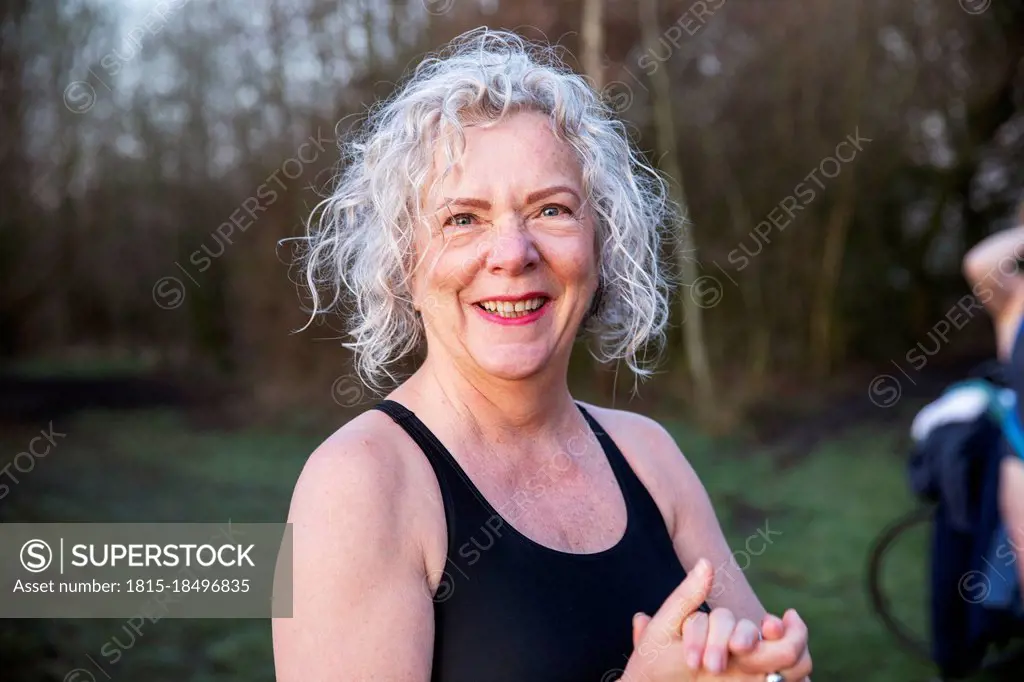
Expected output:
(915, 641)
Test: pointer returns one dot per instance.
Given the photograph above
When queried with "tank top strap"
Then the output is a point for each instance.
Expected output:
(463, 502)
(611, 450)
(638, 499)
(435, 451)
(633, 489)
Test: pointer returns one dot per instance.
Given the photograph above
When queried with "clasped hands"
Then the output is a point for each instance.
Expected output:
(682, 644)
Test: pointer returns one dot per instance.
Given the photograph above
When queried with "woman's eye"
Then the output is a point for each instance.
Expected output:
(554, 211)
(460, 220)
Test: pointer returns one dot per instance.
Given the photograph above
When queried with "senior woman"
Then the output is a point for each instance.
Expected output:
(480, 524)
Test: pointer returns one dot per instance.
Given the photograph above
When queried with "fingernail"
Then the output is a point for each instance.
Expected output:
(747, 640)
(715, 663)
(693, 660)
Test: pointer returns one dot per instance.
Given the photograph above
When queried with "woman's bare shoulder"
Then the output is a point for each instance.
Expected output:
(359, 569)
(365, 470)
(636, 432)
(363, 448)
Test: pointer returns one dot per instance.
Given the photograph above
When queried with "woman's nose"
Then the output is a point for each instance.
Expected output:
(512, 249)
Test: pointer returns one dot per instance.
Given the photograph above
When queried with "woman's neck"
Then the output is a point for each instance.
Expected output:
(519, 408)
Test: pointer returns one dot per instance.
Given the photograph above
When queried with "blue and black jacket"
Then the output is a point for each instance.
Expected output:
(959, 443)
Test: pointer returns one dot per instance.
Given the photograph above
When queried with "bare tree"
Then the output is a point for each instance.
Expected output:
(686, 247)
(592, 39)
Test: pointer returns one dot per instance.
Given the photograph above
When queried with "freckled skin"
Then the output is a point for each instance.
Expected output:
(510, 247)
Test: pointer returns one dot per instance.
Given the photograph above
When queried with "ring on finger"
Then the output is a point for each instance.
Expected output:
(774, 677)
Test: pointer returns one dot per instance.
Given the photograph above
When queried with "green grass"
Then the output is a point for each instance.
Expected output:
(83, 365)
(152, 466)
(823, 512)
(828, 509)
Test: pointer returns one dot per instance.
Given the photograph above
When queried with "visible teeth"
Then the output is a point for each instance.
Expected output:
(512, 309)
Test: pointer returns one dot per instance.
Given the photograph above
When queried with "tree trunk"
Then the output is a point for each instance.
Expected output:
(685, 246)
(755, 309)
(592, 38)
(823, 310)
(591, 47)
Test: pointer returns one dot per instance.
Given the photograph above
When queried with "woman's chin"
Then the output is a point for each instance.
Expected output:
(511, 364)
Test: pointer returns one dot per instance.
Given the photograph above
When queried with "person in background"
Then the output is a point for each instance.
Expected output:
(995, 269)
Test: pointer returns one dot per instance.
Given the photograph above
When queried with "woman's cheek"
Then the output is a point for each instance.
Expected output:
(457, 266)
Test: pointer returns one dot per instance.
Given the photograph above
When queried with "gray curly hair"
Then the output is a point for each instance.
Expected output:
(359, 240)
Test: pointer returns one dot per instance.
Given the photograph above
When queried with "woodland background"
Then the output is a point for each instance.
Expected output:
(132, 131)
(155, 154)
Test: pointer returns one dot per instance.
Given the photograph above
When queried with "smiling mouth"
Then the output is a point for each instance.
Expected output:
(513, 309)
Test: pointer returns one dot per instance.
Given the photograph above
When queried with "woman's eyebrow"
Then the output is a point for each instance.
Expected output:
(531, 198)
(464, 201)
(536, 196)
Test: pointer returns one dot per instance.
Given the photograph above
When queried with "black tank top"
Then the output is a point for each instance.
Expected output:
(508, 609)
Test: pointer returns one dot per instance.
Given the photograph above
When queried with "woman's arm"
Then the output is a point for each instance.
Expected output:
(685, 505)
(992, 269)
(362, 609)
(696, 534)
(1011, 506)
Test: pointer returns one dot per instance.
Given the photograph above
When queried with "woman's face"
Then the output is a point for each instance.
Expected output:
(506, 255)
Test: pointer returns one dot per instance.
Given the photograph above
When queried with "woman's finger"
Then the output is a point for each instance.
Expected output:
(684, 600)
(640, 621)
(792, 619)
(800, 671)
(783, 653)
(772, 627)
(803, 666)
(744, 638)
(695, 635)
(716, 651)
